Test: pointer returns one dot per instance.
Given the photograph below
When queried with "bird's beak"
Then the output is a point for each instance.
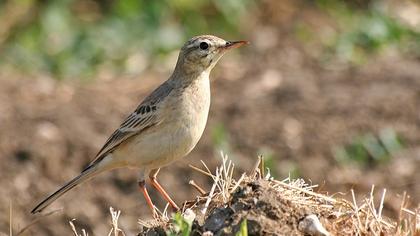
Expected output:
(234, 44)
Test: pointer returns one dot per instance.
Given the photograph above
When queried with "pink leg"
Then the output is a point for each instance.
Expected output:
(160, 189)
(142, 186)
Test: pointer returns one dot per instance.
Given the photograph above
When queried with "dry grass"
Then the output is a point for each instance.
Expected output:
(32, 223)
(338, 216)
(114, 231)
(74, 230)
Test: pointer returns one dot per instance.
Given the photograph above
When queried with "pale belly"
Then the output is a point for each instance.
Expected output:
(163, 147)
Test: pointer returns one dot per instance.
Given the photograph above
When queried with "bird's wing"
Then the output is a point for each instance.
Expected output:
(145, 116)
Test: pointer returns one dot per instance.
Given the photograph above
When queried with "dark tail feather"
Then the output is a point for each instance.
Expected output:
(86, 174)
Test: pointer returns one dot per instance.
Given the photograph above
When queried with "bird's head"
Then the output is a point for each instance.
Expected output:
(201, 53)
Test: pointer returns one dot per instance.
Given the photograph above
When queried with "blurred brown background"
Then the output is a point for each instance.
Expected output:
(327, 90)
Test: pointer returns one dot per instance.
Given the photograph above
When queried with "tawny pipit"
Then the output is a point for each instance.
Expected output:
(166, 126)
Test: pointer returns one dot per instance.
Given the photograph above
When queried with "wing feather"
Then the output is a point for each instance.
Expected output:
(145, 116)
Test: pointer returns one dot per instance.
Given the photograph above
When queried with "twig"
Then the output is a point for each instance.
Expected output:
(381, 205)
(114, 221)
(238, 183)
(211, 193)
(261, 166)
(402, 207)
(73, 228)
(37, 219)
(414, 223)
(371, 207)
(198, 188)
(255, 169)
(208, 170)
(356, 208)
(409, 211)
(200, 170)
(10, 219)
(329, 199)
(371, 199)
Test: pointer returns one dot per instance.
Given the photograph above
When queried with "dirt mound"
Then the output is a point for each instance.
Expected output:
(272, 207)
(265, 211)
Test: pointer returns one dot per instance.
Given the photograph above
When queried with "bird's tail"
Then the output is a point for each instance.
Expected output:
(85, 175)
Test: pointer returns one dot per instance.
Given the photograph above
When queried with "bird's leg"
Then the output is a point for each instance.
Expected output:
(159, 188)
(142, 187)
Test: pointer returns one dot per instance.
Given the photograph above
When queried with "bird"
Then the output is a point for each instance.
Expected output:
(165, 126)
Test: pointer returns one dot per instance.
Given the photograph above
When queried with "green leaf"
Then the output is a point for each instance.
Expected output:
(243, 231)
(181, 225)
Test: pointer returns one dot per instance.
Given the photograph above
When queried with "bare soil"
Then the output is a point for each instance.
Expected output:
(271, 207)
(51, 130)
(266, 212)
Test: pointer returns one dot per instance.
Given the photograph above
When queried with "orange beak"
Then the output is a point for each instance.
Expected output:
(235, 44)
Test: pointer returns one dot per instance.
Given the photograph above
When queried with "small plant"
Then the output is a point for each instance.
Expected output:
(73, 39)
(366, 31)
(269, 162)
(181, 226)
(277, 168)
(368, 150)
(243, 230)
(220, 139)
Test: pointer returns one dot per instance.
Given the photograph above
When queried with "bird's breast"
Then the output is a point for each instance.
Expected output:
(192, 118)
(181, 129)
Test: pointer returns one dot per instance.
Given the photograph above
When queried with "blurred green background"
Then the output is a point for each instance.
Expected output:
(73, 39)
(77, 38)
(327, 90)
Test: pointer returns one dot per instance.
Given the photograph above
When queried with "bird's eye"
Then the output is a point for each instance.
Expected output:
(204, 45)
